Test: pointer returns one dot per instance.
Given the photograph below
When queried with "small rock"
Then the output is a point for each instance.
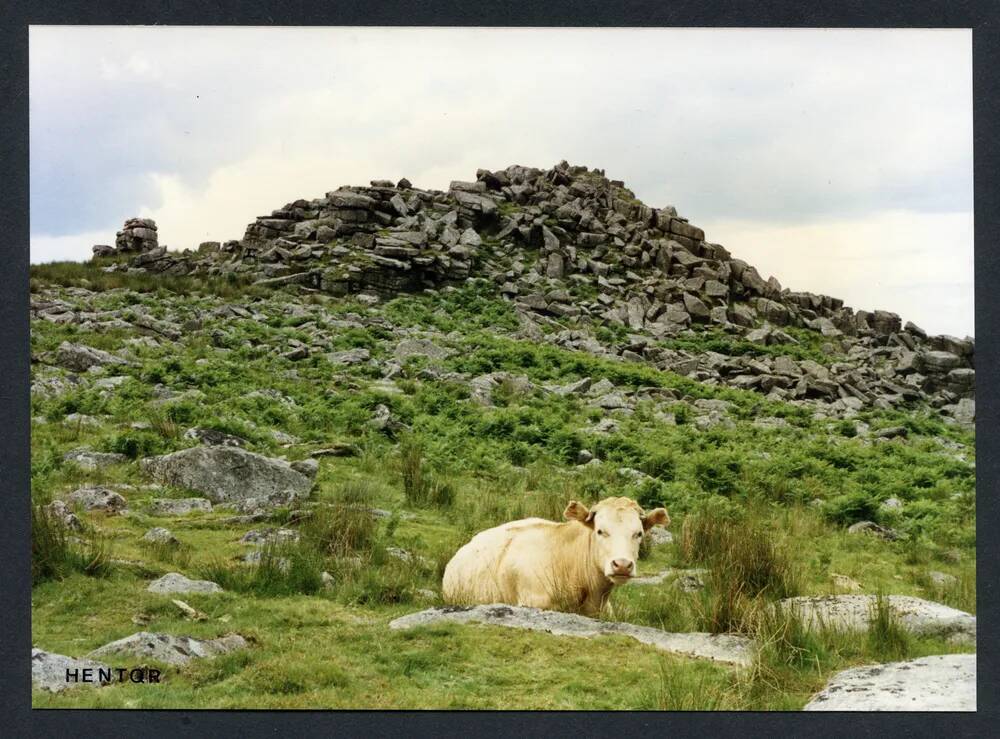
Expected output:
(174, 582)
(160, 535)
(844, 583)
(178, 506)
(49, 671)
(212, 437)
(942, 579)
(98, 499)
(658, 535)
(88, 459)
(870, 527)
(58, 510)
(173, 650)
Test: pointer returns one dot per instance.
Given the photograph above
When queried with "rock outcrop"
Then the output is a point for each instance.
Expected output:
(569, 245)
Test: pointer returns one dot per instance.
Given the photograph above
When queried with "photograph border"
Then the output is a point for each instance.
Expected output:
(15, 638)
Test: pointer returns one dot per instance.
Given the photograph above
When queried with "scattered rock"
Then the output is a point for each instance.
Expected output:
(58, 510)
(80, 358)
(178, 506)
(48, 671)
(657, 536)
(727, 648)
(853, 612)
(269, 536)
(940, 683)
(870, 527)
(420, 348)
(349, 356)
(174, 582)
(942, 579)
(173, 650)
(223, 473)
(98, 499)
(160, 535)
(211, 437)
(88, 459)
(844, 583)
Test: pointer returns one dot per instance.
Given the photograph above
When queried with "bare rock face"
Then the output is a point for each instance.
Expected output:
(939, 683)
(173, 650)
(227, 474)
(48, 671)
(718, 647)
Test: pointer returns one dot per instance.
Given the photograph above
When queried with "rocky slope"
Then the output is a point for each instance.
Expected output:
(571, 247)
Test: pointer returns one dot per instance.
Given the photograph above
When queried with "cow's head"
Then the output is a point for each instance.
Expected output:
(617, 526)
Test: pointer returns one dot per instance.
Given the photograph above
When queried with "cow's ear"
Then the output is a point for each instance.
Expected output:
(578, 512)
(656, 517)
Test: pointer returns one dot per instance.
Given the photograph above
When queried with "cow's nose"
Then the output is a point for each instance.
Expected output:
(622, 566)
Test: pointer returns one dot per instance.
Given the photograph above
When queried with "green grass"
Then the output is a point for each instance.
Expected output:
(763, 511)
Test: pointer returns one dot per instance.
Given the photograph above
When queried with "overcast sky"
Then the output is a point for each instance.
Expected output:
(838, 161)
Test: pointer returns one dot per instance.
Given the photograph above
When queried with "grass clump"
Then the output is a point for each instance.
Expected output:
(55, 555)
(746, 565)
(281, 569)
(421, 487)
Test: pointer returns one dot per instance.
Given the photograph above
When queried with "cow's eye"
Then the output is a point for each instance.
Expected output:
(638, 534)
(602, 532)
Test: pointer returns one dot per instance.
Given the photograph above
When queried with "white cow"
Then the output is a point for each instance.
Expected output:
(569, 566)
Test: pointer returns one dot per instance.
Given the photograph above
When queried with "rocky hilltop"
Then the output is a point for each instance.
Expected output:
(576, 251)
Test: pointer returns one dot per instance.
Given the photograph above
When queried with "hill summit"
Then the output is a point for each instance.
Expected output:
(589, 267)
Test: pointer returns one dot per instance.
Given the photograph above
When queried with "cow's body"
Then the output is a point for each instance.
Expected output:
(558, 566)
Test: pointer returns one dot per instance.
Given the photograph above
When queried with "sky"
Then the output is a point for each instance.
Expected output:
(838, 161)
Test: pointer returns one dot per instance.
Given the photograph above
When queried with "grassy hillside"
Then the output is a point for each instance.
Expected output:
(761, 493)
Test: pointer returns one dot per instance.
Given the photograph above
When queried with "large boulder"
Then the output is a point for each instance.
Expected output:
(226, 474)
(944, 682)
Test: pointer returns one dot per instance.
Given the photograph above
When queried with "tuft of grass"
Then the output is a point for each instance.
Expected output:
(887, 639)
(421, 487)
(341, 530)
(284, 569)
(54, 555)
(746, 564)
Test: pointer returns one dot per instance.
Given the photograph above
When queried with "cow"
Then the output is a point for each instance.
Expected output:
(569, 566)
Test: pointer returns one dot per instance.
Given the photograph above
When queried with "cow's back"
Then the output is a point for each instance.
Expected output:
(495, 565)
